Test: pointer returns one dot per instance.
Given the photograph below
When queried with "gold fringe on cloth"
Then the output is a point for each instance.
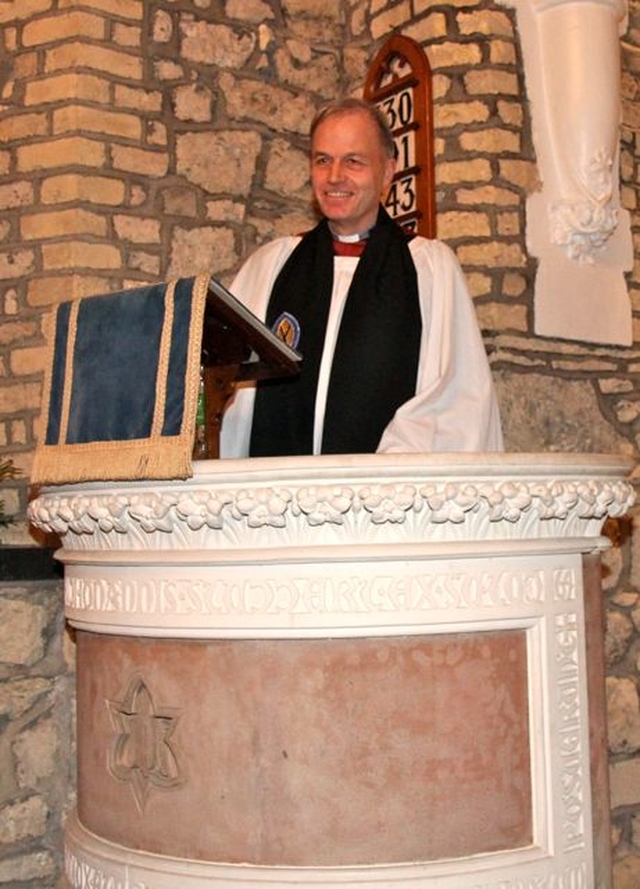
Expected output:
(67, 453)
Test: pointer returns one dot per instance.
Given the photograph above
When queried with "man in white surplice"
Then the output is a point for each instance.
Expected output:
(394, 358)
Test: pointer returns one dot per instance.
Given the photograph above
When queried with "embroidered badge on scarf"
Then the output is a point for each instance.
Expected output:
(287, 328)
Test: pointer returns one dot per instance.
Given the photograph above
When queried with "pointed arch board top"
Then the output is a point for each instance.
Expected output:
(399, 82)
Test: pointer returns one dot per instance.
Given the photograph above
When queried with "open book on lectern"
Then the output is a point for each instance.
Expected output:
(233, 335)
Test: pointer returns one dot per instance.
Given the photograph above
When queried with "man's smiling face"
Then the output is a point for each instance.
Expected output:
(350, 171)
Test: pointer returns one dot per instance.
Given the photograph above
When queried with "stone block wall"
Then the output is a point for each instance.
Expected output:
(37, 772)
(142, 140)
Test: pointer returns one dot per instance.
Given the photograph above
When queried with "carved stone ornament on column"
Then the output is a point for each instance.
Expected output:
(575, 224)
(141, 752)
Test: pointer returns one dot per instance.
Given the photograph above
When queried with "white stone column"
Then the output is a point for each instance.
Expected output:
(575, 225)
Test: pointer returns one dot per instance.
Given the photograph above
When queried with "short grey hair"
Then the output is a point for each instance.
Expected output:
(346, 106)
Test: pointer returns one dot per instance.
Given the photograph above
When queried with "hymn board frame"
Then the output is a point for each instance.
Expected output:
(399, 82)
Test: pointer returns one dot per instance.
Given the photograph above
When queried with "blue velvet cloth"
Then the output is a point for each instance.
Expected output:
(110, 376)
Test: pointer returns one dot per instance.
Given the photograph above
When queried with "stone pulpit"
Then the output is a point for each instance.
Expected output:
(358, 671)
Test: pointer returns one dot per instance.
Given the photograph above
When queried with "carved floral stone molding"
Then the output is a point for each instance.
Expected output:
(582, 227)
(502, 506)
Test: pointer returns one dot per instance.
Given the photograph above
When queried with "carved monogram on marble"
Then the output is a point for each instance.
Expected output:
(418, 593)
(574, 877)
(567, 637)
(142, 753)
(82, 875)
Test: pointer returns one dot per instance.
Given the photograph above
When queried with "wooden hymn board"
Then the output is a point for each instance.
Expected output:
(399, 83)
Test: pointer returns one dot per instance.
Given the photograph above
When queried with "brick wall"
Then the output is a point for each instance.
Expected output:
(140, 140)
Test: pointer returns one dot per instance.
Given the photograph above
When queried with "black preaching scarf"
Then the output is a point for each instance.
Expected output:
(375, 361)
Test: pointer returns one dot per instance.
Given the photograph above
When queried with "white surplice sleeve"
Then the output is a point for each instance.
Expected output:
(455, 407)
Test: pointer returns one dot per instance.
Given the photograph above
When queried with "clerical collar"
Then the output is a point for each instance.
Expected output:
(350, 239)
